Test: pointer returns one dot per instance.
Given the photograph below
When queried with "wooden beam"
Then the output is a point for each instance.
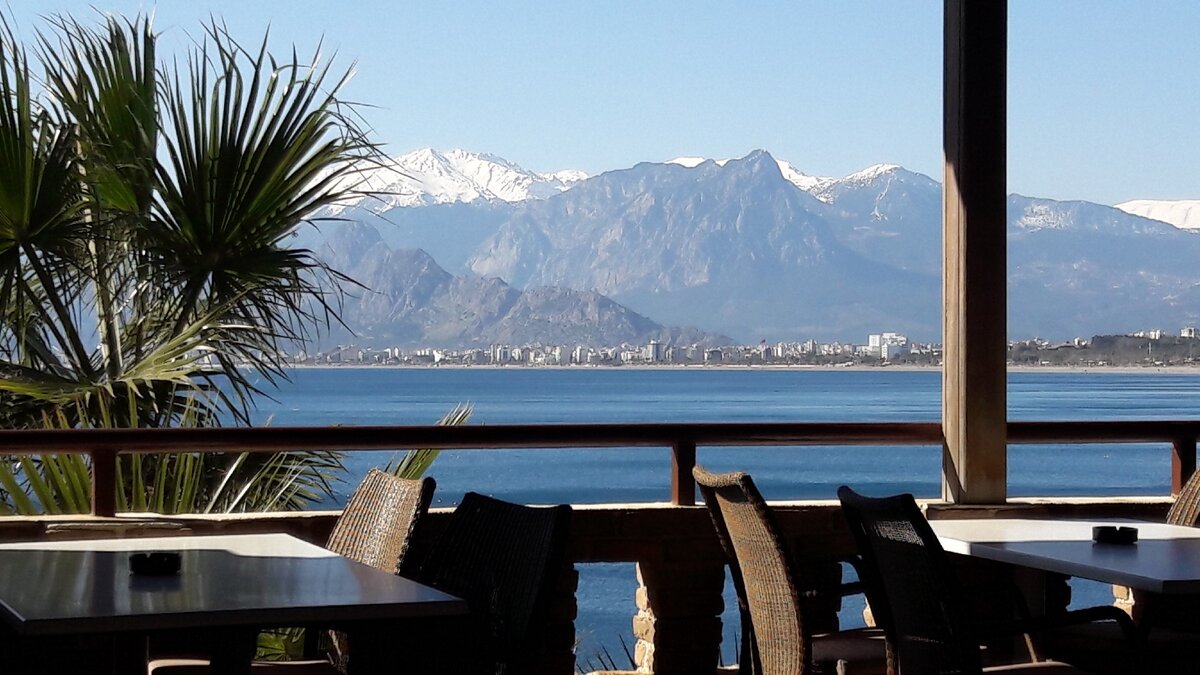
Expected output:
(104, 483)
(974, 252)
(472, 436)
(683, 485)
(1183, 462)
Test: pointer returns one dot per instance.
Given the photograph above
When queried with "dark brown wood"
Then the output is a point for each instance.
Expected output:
(275, 439)
(1139, 431)
(974, 377)
(104, 482)
(683, 484)
(1183, 462)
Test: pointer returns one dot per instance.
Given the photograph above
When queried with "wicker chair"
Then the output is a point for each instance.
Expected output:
(375, 529)
(504, 560)
(377, 524)
(775, 638)
(919, 601)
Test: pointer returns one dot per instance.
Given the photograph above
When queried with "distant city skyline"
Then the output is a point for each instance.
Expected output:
(1103, 103)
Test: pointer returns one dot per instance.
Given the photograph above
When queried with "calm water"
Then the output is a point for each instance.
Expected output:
(353, 396)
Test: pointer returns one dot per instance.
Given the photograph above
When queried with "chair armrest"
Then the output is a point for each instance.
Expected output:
(1087, 615)
(1033, 625)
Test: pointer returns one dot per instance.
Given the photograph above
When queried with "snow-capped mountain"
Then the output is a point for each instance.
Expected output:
(1182, 213)
(426, 177)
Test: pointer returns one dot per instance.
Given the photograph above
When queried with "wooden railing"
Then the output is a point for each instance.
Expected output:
(103, 445)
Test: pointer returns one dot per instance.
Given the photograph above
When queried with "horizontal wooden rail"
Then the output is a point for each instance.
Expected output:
(103, 445)
(1139, 431)
(469, 437)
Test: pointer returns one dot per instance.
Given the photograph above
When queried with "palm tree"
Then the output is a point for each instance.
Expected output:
(146, 276)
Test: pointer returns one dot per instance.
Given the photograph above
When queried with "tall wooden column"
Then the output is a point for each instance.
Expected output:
(974, 322)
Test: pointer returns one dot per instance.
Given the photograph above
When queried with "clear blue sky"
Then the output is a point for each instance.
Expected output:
(1104, 96)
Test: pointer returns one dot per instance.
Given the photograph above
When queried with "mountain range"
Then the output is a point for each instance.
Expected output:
(749, 247)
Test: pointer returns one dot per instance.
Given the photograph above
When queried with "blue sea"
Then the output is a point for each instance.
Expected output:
(398, 396)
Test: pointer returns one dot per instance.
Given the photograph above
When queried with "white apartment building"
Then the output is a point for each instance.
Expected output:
(881, 344)
(653, 352)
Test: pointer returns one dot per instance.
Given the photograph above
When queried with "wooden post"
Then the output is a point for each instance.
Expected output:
(974, 252)
(104, 483)
(1183, 463)
(683, 484)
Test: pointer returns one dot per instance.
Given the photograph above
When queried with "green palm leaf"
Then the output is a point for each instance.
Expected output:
(415, 463)
(153, 207)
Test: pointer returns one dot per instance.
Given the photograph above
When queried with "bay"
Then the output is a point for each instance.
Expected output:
(401, 396)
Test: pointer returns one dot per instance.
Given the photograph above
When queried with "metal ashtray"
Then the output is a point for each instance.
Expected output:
(156, 563)
(1112, 534)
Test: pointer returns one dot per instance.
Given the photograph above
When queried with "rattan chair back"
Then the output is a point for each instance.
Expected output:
(504, 560)
(377, 524)
(923, 608)
(761, 570)
(1186, 509)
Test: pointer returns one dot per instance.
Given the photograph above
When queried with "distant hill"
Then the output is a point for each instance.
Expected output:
(408, 300)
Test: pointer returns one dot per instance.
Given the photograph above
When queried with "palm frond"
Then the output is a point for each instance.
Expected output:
(152, 207)
(415, 463)
(105, 82)
(42, 224)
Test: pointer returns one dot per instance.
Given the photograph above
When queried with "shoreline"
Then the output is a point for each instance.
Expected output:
(907, 368)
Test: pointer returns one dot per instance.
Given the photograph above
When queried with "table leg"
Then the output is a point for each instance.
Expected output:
(232, 650)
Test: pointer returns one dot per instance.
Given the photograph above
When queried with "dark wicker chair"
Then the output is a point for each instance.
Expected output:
(375, 529)
(775, 637)
(504, 560)
(919, 600)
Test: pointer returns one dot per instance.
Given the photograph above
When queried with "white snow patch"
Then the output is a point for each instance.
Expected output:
(1182, 213)
(802, 180)
(870, 173)
(427, 176)
(566, 176)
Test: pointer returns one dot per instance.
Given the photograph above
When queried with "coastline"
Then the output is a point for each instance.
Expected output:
(1101, 370)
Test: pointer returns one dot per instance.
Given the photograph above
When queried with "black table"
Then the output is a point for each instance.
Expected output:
(231, 586)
